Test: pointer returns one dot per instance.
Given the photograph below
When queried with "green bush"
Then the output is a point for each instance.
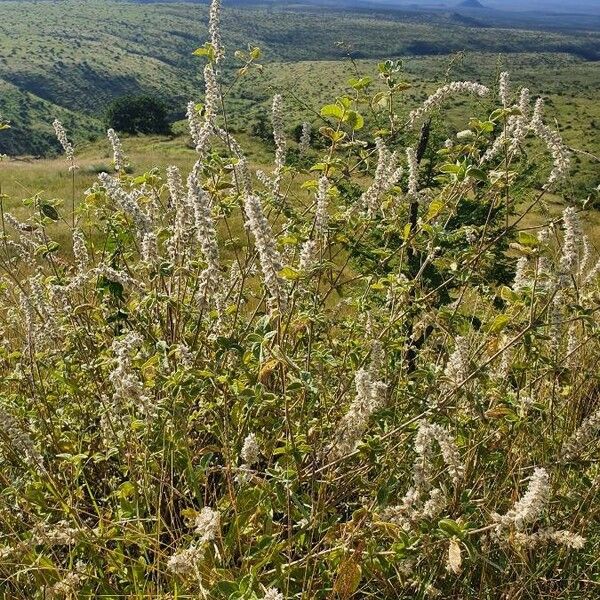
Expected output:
(363, 378)
(138, 114)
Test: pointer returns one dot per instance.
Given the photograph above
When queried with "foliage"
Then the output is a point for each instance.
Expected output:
(311, 382)
(138, 114)
(261, 128)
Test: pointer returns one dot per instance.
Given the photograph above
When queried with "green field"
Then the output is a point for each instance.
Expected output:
(63, 65)
(69, 59)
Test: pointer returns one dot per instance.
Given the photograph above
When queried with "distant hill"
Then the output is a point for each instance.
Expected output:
(467, 21)
(590, 7)
(47, 71)
(471, 4)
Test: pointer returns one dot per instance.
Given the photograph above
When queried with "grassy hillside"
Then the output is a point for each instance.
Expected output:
(308, 85)
(74, 57)
(23, 177)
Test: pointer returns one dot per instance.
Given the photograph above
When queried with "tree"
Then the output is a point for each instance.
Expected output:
(262, 128)
(138, 114)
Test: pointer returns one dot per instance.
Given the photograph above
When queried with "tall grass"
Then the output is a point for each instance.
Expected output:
(353, 376)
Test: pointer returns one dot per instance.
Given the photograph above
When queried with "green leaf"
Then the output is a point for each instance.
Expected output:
(353, 119)
(435, 208)
(332, 134)
(225, 588)
(288, 240)
(498, 324)
(311, 184)
(478, 174)
(528, 239)
(482, 126)
(381, 132)
(333, 110)
(46, 249)
(344, 101)
(450, 168)
(381, 99)
(359, 84)
(508, 295)
(289, 273)
(207, 50)
(498, 114)
(50, 211)
(451, 528)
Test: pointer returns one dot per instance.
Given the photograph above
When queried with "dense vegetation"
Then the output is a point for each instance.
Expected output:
(356, 374)
(137, 115)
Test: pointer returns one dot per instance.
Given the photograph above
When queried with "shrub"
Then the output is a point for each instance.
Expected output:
(239, 387)
(261, 128)
(138, 114)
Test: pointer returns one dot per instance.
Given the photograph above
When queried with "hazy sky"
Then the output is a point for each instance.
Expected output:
(591, 6)
(563, 5)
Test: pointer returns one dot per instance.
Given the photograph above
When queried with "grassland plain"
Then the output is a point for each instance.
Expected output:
(570, 85)
(55, 59)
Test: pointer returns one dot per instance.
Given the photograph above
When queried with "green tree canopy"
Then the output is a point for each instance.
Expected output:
(138, 114)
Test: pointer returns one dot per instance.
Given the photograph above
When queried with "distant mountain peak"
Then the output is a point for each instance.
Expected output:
(471, 4)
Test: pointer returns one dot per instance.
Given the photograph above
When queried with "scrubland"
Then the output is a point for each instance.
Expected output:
(361, 362)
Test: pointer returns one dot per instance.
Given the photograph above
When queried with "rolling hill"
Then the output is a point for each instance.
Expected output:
(74, 57)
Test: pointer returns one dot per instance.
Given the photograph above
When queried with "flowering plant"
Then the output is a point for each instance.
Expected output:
(270, 385)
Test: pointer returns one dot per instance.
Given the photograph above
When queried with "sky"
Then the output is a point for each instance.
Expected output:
(560, 5)
(588, 6)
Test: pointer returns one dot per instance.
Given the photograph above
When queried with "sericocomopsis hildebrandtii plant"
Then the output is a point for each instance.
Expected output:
(371, 378)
